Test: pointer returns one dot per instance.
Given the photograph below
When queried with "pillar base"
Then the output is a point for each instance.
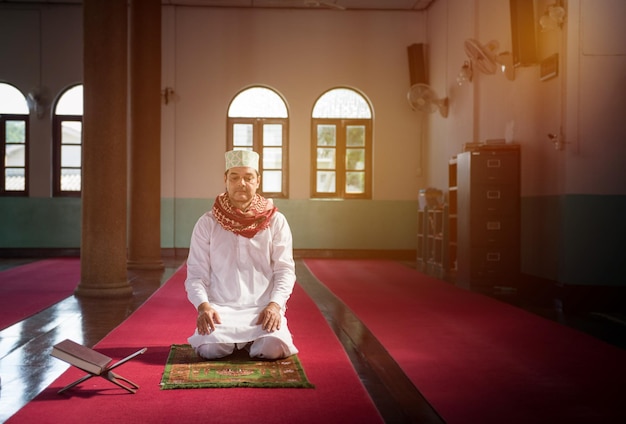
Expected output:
(104, 292)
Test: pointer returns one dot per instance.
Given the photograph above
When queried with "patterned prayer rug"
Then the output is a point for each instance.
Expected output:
(186, 370)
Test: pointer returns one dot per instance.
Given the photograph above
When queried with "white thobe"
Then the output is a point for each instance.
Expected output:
(239, 277)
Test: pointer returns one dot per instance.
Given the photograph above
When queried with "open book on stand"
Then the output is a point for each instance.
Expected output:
(95, 363)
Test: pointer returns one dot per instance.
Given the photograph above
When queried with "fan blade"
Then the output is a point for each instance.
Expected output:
(481, 56)
(444, 106)
(423, 98)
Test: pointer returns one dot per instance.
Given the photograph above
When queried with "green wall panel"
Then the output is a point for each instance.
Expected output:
(187, 213)
(324, 224)
(167, 218)
(352, 224)
(573, 239)
(593, 243)
(40, 222)
(541, 236)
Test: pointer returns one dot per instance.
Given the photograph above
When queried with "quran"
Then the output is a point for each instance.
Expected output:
(94, 363)
(81, 356)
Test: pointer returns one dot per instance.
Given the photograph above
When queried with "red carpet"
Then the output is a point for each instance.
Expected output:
(167, 318)
(31, 288)
(477, 360)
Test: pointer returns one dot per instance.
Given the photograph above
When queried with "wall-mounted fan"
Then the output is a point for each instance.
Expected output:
(38, 100)
(424, 99)
(483, 57)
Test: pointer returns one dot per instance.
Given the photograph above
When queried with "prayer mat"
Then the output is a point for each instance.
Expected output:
(186, 370)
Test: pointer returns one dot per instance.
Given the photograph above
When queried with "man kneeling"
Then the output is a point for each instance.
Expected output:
(240, 269)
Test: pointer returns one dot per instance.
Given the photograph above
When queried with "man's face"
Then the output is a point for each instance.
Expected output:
(242, 183)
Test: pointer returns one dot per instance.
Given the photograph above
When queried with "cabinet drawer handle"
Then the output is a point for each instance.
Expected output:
(493, 256)
(493, 194)
(493, 225)
(493, 163)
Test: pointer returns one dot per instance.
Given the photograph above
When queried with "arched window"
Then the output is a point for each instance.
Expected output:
(14, 116)
(67, 143)
(341, 146)
(258, 120)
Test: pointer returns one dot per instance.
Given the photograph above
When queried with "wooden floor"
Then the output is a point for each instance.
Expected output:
(26, 366)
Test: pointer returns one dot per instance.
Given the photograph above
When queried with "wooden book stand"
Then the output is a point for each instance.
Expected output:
(85, 358)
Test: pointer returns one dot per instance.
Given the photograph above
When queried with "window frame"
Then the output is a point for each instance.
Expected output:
(257, 146)
(341, 125)
(57, 144)
(4, 117)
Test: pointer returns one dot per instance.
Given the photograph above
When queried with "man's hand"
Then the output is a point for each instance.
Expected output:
(270, 317)
(207, 318)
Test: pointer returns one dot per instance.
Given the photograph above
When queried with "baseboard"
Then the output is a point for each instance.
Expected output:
(175, 252)
(584, 299)
(400, 255)
(544, 293)
(533, 290)
(39, 252)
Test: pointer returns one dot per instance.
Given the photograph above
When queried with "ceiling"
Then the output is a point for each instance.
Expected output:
(401, 5)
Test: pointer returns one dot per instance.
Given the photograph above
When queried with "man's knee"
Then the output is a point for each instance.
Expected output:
(215, 350)
(268, 348)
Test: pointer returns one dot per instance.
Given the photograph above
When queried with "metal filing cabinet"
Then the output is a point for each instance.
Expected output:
(488, 218)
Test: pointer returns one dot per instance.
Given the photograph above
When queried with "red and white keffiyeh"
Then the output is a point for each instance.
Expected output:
(248, 223)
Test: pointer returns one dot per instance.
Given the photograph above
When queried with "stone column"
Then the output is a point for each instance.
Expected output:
(144, 229)
(103, 239)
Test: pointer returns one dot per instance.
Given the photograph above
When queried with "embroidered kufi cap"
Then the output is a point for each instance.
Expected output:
(242, 158)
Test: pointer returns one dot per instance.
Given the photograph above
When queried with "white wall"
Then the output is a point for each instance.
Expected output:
(595, 108)
(41, 49)
(584, 103)
(212, 54)
(572, 199)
